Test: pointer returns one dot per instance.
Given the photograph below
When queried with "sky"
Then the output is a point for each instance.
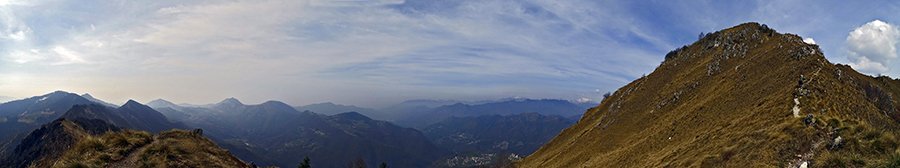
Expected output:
(374, 53)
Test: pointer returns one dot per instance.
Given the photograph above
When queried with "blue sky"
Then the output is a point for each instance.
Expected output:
(376, 53)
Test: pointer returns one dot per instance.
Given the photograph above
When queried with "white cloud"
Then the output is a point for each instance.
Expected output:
(67, 56)
(583, 100)
(865, 65)
(23, 57)
(809, 41)
(353, 3)
(871, 47)
(18, 35)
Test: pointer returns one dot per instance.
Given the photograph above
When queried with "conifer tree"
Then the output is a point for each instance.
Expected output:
(305, 163)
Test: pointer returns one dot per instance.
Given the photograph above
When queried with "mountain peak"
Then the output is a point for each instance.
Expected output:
(229, 103)
(353, 116)
(132, 102)
(739, 81)
(87, 96)
(231, 100)
(60, 92)
(160, 103)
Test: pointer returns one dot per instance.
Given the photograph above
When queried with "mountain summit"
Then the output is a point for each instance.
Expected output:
(736, 98)
(228, 103)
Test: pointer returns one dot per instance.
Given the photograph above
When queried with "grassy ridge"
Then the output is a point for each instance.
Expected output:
(726, 100)
(94, 151)
(175, 148)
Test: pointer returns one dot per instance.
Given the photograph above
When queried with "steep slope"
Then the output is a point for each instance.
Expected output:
(520, 134)
(42, 146)
(726, 101)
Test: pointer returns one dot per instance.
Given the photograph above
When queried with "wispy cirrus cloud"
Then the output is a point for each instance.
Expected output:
(369, 53)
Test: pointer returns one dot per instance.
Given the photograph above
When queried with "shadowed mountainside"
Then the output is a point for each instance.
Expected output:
(44, 145)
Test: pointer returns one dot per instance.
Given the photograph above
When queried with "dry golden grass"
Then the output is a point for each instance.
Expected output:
(99, 151)
(179, 148)
(175, 148)
(713, 106)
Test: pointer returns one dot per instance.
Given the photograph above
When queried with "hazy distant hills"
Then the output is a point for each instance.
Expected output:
(543, 107)
(329, 108)
(278, 131)
(283, 133)
(130, 115)
(401, 112)
(274, 133)
(521, 134)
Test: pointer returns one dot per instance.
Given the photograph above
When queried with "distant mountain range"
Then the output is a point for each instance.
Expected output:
(329, 108)
(276, 134)
(278, 131)
(19, 117)
(543, 107)
(402, 111)
(130, 115)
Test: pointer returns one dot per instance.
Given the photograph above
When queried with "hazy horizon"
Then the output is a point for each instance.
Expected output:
(378, 53)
